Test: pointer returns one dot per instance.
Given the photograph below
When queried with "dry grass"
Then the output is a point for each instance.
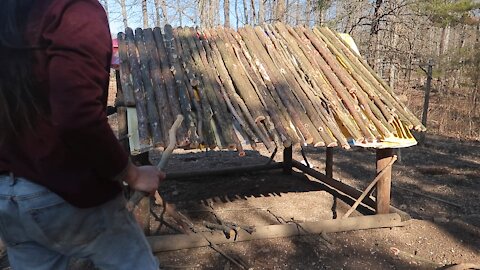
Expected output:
(450, 114)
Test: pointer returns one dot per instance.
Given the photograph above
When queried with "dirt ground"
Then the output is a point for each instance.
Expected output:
(437, 185)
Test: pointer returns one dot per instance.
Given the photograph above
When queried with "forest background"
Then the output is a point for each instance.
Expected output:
(399, 39)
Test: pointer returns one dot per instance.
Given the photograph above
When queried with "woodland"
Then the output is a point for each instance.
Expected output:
(399, 39)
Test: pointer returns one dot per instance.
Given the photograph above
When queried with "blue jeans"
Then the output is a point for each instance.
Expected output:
(42, 231)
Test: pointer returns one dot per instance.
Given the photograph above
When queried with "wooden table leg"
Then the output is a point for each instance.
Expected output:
(287, 160)
(385, 183)
(329, 162)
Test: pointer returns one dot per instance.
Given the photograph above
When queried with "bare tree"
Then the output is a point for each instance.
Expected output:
(157, 12)
(123, 6)
(261, 12)
(280, 10)
(226, 13)
(145, 13)
(163, 6)
(253, 11)
(245, 11)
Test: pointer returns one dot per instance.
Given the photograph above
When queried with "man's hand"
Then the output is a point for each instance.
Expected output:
(144, 178)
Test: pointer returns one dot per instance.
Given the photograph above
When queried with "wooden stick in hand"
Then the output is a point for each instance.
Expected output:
(138, 195)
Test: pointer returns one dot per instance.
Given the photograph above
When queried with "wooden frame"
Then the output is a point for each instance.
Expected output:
(381, 204)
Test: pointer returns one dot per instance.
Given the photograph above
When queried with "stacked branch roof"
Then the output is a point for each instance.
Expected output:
(275, 85)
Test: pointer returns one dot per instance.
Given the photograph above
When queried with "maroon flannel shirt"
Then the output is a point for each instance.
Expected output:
(74, 152)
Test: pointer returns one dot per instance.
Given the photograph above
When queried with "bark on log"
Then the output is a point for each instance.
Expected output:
(176, 242)
(125, 74)
(250, 104)
(309, 64)
(272, 102)
(178, 74)
(350, 83)
(232, 99)
(141, 107)
(170, 85)
(195, 105)
(317, 98)
(222, 94)
(332, 72)
(239, 78)
(385, 90)
(152, 113)
(370, 186)
(270, 126)
(204, 89)
(323, 88)
(296, 88)
(269, 73)
(331, 131)
(280, 118)
(201, 105)
(384, 185)
(377, 107)
(224, 118)
(161, 97)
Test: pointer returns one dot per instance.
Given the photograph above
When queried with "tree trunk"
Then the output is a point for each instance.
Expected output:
(157, 13)
(457, 75)
(245, 12)
(211, 13)
(201, 8)
(164, 11)
(444, 42)
(476, 84)
(261, 12)
(393, 58)
(280, 11)
(124, 13)
(253, 14)
(226, 13)
(145, 13)
(237, 18)
(180, 17)
(374, 41)
(308, 11)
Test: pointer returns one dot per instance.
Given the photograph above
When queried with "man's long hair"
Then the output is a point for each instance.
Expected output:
(20, 104)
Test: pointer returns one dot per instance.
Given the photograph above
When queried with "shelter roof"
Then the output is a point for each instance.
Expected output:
(277, 85)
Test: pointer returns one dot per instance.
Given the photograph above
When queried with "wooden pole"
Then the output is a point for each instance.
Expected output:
(287, 160)
(329, 174)
(182, 241)
(384, 156)
(204, 175)
(153, 116)
(329, 163)
(138, 90)
(426, 100)
(370, 186)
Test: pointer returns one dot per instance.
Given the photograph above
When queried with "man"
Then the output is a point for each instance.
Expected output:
(60, 163)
